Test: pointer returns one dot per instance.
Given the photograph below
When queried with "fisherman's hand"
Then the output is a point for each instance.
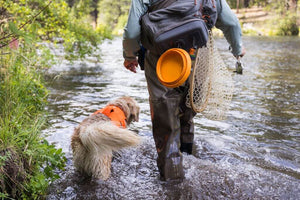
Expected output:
(131, 65)
(242, 54)
(239, 65)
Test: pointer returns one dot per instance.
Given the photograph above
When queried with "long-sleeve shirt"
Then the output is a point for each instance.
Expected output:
(227, 22)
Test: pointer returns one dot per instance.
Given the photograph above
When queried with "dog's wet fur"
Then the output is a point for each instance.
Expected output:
(96, 138)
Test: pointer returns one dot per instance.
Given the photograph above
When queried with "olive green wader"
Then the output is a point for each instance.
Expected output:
(172, 122)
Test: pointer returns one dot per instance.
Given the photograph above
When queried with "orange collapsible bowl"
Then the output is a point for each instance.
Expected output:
(173, 67)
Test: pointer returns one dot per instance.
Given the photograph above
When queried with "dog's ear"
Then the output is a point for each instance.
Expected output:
(134, 110)
(134, 113)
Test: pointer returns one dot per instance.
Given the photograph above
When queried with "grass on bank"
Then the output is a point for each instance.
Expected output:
(28, 163)
(268, 22)
(280, 27)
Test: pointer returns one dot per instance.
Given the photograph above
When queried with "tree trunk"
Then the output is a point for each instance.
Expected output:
(292, 5)
(237, 6)
(94, 13)
(291, 8)
(246, 3)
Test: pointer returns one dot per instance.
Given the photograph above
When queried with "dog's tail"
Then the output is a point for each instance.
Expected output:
(106, 136)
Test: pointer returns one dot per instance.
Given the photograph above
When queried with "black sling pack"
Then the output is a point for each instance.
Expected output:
(177, 24)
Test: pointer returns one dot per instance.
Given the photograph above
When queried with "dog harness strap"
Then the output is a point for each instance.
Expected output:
(115, 113)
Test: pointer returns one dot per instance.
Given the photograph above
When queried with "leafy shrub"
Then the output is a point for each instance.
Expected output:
(288, 26)
(49, 20)
(27, 161)
(122, 20)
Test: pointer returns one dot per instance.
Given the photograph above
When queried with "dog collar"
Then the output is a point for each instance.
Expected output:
(115, 113)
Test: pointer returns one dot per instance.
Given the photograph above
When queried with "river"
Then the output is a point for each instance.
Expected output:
(253, 154)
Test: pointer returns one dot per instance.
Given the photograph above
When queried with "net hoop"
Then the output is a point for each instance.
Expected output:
(211, 84)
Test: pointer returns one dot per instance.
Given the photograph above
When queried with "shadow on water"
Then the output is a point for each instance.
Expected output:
(253, 154)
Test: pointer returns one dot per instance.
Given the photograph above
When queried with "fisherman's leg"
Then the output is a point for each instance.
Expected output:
(164, 104)
(187, 128)
(166, 133)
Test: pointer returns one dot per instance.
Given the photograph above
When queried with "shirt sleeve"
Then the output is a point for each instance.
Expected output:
(229, 24)
(132, 30)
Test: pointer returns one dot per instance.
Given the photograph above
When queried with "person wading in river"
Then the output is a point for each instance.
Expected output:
(172, 121)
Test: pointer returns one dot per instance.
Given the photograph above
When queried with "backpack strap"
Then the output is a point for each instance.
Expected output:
(159, 4)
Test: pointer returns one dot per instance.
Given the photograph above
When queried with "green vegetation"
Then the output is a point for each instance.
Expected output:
(28, 163)
(51, 21)
(115, 14)
(274, 17)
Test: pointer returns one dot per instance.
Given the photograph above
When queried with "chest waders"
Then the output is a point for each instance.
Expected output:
(172, 122)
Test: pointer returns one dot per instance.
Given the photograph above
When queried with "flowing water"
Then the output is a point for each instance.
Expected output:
(253, 154)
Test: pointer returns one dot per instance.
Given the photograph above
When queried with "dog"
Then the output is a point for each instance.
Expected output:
(102, 133)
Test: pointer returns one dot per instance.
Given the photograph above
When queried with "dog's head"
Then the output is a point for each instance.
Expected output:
(129, 107)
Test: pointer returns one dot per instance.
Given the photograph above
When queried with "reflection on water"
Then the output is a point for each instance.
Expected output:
(253, 154)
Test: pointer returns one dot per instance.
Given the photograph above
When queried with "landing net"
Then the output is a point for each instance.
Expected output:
(211, 84)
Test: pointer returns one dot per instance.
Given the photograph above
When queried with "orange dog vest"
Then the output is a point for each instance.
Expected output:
(115, 113)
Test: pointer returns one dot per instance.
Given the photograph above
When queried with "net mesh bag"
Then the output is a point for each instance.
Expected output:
(211, 84)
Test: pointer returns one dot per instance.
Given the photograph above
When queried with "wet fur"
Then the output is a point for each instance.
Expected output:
(96, 138)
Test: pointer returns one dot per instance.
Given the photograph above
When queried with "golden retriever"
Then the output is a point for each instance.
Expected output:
(99, 135)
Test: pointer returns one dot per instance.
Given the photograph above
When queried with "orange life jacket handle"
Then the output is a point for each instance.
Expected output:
(115, 114)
